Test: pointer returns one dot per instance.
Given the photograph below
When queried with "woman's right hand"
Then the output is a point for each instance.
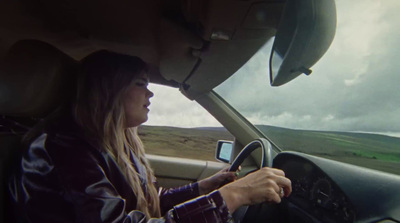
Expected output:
(264, 185)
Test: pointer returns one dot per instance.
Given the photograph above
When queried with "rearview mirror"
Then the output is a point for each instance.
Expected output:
(305, 32)
(224, 151)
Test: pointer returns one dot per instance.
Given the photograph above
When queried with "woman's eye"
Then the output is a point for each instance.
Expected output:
(141, 84)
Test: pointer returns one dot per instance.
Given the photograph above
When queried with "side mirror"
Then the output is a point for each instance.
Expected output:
(224, 151)
(305, 32)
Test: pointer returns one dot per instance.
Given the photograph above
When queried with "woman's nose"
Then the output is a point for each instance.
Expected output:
(149, 93)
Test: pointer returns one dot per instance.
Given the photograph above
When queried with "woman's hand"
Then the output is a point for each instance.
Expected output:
(216, 181)
(264, 185)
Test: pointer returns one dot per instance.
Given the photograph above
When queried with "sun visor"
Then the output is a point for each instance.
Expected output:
(232, 32)
(305, 32)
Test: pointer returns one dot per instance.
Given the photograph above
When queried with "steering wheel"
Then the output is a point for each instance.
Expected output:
(249, 148)
(266, 161)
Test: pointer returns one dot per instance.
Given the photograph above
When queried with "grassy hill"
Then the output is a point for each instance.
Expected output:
(195, 143)
(370, 150)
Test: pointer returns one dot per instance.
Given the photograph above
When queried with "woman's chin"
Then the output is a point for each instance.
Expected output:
(136, 123)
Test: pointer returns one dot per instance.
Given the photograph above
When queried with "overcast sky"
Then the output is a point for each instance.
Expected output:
(354, 87)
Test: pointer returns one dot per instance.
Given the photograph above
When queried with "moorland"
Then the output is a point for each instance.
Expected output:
(375, 151)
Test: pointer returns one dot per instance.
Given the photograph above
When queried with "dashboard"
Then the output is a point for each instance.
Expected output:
(320, 199)
(329, 191)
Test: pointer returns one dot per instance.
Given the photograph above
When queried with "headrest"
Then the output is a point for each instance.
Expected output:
(35, 78)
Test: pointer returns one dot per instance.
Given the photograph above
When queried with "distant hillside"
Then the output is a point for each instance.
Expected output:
(365, 145)
(196, 143)
(370, 150)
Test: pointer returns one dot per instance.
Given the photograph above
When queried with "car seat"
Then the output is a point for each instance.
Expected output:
(35, 79)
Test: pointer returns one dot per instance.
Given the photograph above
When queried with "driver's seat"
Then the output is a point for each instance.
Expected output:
(35, 79)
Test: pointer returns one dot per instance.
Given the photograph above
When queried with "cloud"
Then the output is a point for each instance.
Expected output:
(170, 108)
(354, 87)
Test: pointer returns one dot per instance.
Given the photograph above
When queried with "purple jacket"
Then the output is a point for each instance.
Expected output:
(64, 178)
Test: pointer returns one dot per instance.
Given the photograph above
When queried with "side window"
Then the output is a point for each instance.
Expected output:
(178, 127)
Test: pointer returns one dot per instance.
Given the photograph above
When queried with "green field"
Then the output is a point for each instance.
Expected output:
(369, 150)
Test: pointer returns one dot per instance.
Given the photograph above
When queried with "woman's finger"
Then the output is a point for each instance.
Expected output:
(277, 172)
(281, 180)
(275, 197)
(286, 184)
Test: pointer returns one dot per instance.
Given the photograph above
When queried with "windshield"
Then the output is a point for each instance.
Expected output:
(348, 109)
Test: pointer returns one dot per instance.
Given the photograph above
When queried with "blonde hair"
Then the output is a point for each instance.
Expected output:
(103, 82)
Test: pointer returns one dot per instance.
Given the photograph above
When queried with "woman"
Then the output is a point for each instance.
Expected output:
(88, 165)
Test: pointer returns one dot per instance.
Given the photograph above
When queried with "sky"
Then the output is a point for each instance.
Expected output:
(355, 86)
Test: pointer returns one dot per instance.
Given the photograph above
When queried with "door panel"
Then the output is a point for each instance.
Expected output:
(173, 172)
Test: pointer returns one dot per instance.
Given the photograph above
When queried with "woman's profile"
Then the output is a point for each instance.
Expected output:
(88, 164)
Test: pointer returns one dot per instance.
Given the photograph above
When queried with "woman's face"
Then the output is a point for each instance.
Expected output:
(137, 101)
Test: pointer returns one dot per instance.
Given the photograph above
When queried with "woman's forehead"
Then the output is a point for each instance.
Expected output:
(143, 76)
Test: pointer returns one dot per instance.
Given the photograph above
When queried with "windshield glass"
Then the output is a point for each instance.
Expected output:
(348, 109)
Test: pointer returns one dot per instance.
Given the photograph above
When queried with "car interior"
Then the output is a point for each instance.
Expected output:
(193, 46)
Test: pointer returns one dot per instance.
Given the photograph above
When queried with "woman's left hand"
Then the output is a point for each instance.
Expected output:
(217, 180)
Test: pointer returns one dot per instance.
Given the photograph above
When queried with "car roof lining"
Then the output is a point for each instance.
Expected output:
(173, 36)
